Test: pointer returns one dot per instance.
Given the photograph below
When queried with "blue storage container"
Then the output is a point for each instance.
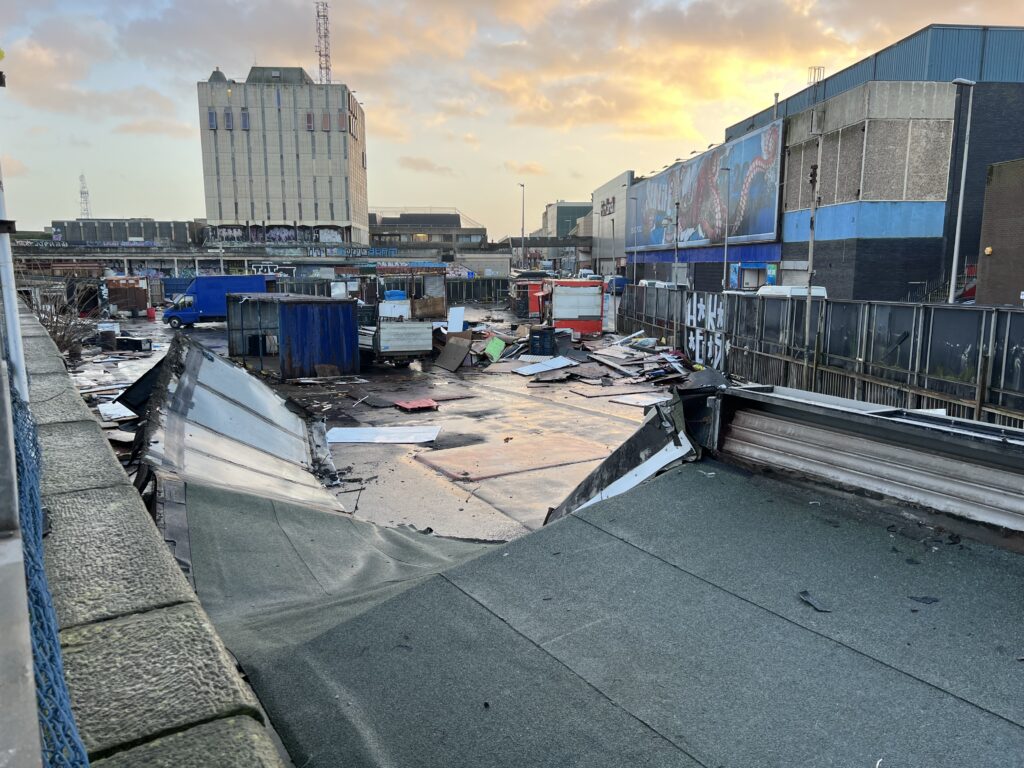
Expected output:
(542, 341)
(320, 332)
(394, 295)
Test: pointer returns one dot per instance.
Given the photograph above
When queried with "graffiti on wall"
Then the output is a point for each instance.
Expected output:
(705, 326)
(686, 204)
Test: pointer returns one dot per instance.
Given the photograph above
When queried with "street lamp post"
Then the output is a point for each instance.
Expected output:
(813, 179)
(522, 225)
(725, 239)
(963, 180)
(675, 245)
(636, 213)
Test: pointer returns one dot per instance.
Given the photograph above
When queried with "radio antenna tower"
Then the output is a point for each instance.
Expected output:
(84, 210)
(323, 41)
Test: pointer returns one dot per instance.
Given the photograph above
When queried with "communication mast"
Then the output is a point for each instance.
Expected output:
(84, 209)
(323, 41)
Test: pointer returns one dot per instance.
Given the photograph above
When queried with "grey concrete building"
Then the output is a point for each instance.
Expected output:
(1001, 250)
(444, 229)
(133, 231)
(560, 217)
(893, 131)
(609, 202)
(284, 153)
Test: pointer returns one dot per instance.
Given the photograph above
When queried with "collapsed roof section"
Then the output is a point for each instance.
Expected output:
(957, 467)
(212, 422)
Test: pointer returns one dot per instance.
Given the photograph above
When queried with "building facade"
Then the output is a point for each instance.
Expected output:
(609, 203)
(559, 218)
(130, 232)
(284, 158)
(892, 130)
(1000, 268)
(447, 230)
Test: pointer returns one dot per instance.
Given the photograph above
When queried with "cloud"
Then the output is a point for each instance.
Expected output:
(12, 166)
(386, 121)
(525, 169)
(469, 138)
(48, 70)
(424, 165)
(154, 127)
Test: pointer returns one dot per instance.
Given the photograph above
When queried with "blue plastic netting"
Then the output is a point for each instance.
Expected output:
(58, 732)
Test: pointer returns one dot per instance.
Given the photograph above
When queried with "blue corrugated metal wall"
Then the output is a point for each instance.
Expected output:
(1004, 57)
(936, 53)
(955, 53)
(318, 333)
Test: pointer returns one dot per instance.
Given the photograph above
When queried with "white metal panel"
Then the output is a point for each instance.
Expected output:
(400, 308)
(406, 337)
(572, 302)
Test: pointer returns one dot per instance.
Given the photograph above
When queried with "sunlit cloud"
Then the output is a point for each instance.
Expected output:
(152, 127)
(424, 165)
(12, 167)
(525, 169)
(584, 89)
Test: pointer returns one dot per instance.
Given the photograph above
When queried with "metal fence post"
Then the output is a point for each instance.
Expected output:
(12, 324)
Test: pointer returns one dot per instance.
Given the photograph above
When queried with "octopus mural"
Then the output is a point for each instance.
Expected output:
(700, 189)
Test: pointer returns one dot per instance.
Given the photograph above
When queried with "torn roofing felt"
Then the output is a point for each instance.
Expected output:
(660, 441)
(211, 421)
(662, 627)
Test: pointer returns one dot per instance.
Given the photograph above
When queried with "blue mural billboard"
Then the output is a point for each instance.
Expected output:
(700, 189)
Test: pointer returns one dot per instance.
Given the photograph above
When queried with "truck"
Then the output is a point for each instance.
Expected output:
(205, 299)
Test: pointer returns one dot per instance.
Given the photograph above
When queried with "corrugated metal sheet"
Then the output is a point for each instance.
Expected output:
(213, 423)
(955, 52)
(952, 486)
(907, 60)
(1004, 56)
(318, 333)
(798, 102)
(849, 78)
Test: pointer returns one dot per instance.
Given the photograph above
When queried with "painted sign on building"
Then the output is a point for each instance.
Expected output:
(743, 174)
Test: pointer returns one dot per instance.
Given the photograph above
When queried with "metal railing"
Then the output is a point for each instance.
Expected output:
(484, 290)
(968, 360)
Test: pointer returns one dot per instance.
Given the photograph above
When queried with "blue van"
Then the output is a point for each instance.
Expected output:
(206, 298)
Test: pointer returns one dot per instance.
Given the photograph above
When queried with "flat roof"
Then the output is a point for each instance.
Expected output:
(709, 617)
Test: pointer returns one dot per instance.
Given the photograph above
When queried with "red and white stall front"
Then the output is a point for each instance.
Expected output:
(576, 304)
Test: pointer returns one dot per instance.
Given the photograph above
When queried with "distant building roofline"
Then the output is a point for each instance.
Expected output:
(885, 65)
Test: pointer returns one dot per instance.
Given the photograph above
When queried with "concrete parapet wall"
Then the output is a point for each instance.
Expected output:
(150, 681)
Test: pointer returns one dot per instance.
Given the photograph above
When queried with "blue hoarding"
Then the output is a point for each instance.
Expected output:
(700, 188)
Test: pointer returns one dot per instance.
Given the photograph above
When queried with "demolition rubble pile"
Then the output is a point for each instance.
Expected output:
(631, 369)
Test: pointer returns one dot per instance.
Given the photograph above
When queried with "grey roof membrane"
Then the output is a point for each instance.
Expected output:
(662, 627)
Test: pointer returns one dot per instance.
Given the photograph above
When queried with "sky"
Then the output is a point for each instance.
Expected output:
(464, 99)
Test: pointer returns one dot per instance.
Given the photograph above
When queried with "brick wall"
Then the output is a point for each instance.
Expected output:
(1001, 274)
(996, 137)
